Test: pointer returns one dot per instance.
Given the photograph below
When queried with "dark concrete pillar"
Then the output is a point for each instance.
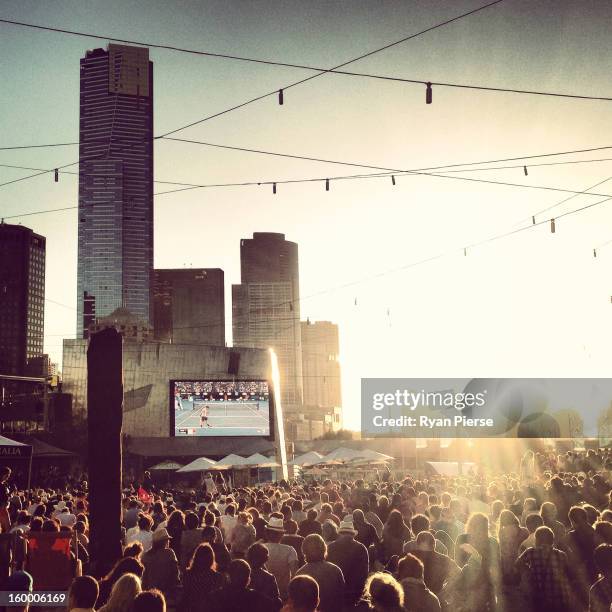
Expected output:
(104, 420)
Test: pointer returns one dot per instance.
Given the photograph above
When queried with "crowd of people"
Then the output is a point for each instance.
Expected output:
(536, 540)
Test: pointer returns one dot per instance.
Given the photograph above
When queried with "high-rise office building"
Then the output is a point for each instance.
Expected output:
(22, 300)
(189, 306)
(115, 247)
(266, 308)
(320, 364)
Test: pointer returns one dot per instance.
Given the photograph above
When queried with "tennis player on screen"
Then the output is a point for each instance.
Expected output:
(204, 417)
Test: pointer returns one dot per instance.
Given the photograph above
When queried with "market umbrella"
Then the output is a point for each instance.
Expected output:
(203, 464)
(373, 455)
(235, 461)
(259, 460)
(310, 458)
(340, 455)
(167, 465)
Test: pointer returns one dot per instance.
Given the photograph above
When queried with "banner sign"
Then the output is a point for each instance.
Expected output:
(487, 407)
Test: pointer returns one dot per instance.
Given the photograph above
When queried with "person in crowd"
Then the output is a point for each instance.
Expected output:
(291, 538)
(548, 512)
(600, 594)
(150, 601)
(417, 597)
(126, 565)
(532, 522)
(222, 555)
(283, 560)
(228, 522)
(130, 516)
(438, 568)
(243, 535)
(175, 527)
(366, 533)
(310, 524)
(191, 537)
(303, 595)
(329, 577)
(19, 582)
(352, 558)
(122, 595)
(580, 546)
(161, 570)
(395, 534)
(510, 536)
(384, 593)
(142, 532)
(201, 578)
(547, 573)
(5, 493)
(262, 580)
(83, 594)
(237, 596)
(480, 587)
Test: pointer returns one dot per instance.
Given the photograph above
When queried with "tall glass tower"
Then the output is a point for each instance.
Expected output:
(266, 308)
(115, 247)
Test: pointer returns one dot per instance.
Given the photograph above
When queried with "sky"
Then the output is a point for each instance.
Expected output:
(534, 304)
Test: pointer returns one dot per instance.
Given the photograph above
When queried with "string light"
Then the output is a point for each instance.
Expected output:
(533, 221)
(281, 100)
(465, 252)
(392, 180)
(56, 173)
(428, 94)
(594, 252)
(274, 188)
(326, 184)
(552, 226)
(525, 171)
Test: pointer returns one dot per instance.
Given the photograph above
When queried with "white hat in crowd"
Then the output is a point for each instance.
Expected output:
(276, 524)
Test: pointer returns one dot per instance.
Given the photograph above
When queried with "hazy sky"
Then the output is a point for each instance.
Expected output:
(535, 304)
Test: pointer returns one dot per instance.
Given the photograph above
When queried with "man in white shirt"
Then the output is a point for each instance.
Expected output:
(228, 522)
(283, 559)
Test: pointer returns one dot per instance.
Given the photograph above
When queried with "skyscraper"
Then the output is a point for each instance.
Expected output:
(189, 306)
(115, 246)
(22, 299)
(320, 364)
(266, 307)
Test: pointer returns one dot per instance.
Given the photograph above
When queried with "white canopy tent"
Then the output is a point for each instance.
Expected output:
(340, 455)
(310, 458)
(260, 461)
(233, 461)
(373, 456)
(203, 464)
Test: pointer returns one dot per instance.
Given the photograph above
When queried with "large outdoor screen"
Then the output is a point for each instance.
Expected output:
(220, 408)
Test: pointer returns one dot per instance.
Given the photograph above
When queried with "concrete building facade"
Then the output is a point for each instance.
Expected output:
(189, 306)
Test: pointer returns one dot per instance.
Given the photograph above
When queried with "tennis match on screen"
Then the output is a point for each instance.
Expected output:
(221, 408)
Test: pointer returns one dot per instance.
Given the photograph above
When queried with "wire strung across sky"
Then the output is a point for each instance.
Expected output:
(386, 172)
(252, 100)
(318, 69)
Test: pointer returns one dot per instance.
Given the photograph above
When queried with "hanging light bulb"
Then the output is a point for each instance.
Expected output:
(594, 252)
(392, 180)
(533, 220)
(552, 226)
(525, 170)
(465, 252)
(428, 94)
(274, 188)
(355, 301)
(56, 171)
(280, 97)
(326, 184)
